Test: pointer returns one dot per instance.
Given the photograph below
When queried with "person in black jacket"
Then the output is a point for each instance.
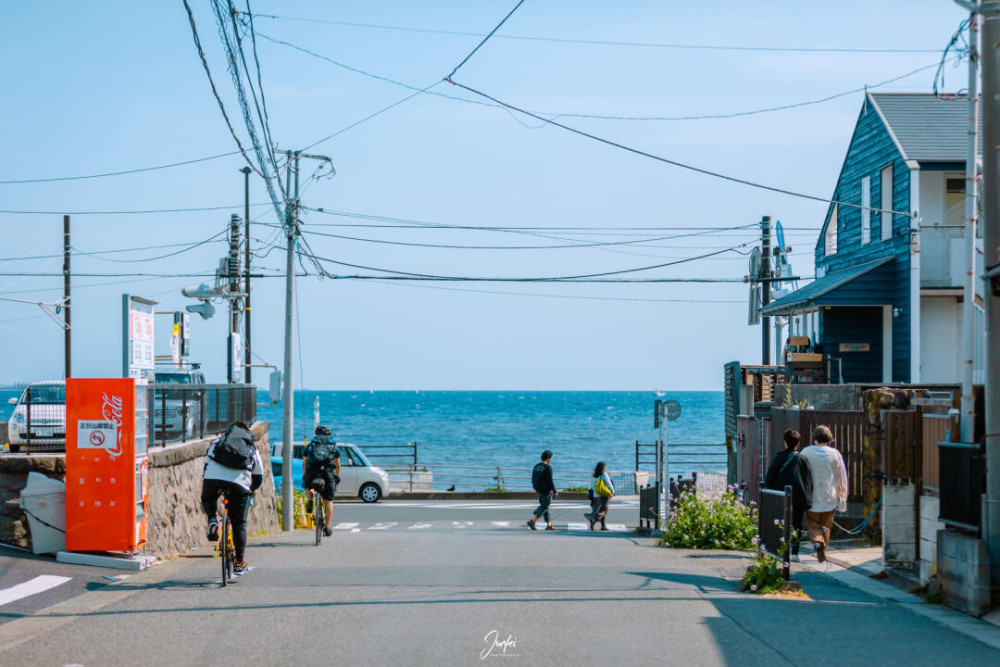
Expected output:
(541, 481)
(788, 469)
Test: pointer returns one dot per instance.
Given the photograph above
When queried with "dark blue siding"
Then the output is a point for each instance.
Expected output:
(872, 149)
(853, 325)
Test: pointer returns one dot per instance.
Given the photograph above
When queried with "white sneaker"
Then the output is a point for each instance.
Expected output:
(795, 558)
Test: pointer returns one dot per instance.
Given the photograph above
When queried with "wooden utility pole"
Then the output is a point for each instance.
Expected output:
(67, 331)
(990, 13)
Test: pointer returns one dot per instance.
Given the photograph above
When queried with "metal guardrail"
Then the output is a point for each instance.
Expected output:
(181, 412)
(774, 525)
(963, 481)
(429, 477)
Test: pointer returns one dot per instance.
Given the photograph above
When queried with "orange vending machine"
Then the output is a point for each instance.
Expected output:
(107, 436)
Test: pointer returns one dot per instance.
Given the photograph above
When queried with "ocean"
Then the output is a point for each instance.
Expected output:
(507, 428)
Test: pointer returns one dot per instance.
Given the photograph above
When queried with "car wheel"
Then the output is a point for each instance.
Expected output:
(14, 449)
(370, 493)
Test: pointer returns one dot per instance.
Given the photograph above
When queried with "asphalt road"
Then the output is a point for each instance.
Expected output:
(474, 586)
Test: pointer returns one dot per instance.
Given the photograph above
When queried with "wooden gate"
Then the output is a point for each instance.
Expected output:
(748, 463)
(902, 448)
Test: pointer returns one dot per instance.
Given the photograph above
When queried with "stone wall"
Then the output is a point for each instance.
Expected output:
(964, 572)
(14, 469)
(176, 522)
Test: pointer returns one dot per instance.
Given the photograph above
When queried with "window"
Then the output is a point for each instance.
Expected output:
(830, 237)
(866, 210)
(887, 217)
(954, 200)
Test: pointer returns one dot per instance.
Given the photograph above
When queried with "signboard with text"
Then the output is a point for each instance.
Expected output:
(139, 359)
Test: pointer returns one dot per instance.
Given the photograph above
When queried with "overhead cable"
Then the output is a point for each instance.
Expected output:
(485, 39)
(682, 165)
(600, 42)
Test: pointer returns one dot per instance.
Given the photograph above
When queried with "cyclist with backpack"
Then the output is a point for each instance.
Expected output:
(233, 467)
(321, 459)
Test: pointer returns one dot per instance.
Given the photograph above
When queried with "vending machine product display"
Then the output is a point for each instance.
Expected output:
(107, 436)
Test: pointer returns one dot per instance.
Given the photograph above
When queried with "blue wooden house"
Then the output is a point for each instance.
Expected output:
(886, 304)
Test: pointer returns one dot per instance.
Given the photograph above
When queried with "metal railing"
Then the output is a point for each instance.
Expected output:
(392, 455)
(425, 477)
(181, 412)
(963, 481)
(774, 525)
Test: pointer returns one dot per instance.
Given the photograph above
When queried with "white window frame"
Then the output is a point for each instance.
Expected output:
(830, 236)
(866, 210)
(887, 208)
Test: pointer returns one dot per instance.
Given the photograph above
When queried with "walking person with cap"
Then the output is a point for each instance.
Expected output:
(541, 481)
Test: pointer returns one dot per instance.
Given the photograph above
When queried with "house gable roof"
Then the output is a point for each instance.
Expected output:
(813, 294)
(927, 127)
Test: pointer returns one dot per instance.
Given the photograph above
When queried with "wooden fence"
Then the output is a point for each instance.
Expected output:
(848, 428)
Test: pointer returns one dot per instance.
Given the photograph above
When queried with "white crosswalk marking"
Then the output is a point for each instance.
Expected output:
(419, 526)
(502, 524)
(345, 526)
(32, 587)
(383, 525)
(461, 524)
(576, 526)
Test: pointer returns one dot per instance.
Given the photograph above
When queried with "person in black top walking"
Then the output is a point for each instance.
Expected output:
(788, 469)
(541, 481)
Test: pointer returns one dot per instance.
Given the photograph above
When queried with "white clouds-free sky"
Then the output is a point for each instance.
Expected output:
(100, 87)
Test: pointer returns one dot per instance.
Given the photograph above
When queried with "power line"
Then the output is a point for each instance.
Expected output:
(485, 39)
(604, 274)
(215, 92)
(682, 165)
(137, 170)
(116, 250)
(574, 297)
(554, 115)
(135, 212)
(598, 42)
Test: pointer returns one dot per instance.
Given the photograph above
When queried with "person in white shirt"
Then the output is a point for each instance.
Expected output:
(829, 488)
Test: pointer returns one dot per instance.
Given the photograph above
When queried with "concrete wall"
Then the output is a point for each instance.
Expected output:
(899, 530)
(964, 572)
(176, 522)
(930, 509)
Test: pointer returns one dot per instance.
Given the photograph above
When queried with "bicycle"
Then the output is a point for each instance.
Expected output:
(225, 547)
(319, 520)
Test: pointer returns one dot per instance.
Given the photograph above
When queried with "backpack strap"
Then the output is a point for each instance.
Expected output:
(791, 458)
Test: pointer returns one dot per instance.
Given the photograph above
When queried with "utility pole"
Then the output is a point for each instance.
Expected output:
(246, 286)
(971, 213)
(991, 251)
(292, 233)
(67, 332)
(233, 273)
(765, 287)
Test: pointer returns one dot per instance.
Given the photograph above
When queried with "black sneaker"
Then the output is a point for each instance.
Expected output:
(213, 530)
(820, 550)
(328, 531)
(309, 506)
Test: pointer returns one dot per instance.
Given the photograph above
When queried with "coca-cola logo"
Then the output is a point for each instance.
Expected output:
(112, 409)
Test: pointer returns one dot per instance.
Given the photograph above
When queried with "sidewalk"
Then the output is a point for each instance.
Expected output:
(855, 566)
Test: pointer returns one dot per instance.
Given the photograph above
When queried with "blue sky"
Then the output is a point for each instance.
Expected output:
(100, 87)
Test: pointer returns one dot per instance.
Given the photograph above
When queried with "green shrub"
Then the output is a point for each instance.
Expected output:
(576, 489)
(298, 508)
(496, 489)
(765, 575)
(710, 523)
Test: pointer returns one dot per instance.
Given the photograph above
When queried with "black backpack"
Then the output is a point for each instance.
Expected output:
(319, 454)
(235, 449)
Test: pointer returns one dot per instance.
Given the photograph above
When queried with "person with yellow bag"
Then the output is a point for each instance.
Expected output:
(601, 492)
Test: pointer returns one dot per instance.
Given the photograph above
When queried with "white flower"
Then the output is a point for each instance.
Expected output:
(753, 587)
(777, 522)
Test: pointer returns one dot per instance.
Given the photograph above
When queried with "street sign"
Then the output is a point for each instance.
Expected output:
(671, 410)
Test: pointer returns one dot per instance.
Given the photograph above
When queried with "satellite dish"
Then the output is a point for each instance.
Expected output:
(779, 233)
(755, 263)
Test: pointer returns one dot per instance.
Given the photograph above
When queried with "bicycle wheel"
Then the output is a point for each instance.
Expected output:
(318, 519)
(224, 545)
